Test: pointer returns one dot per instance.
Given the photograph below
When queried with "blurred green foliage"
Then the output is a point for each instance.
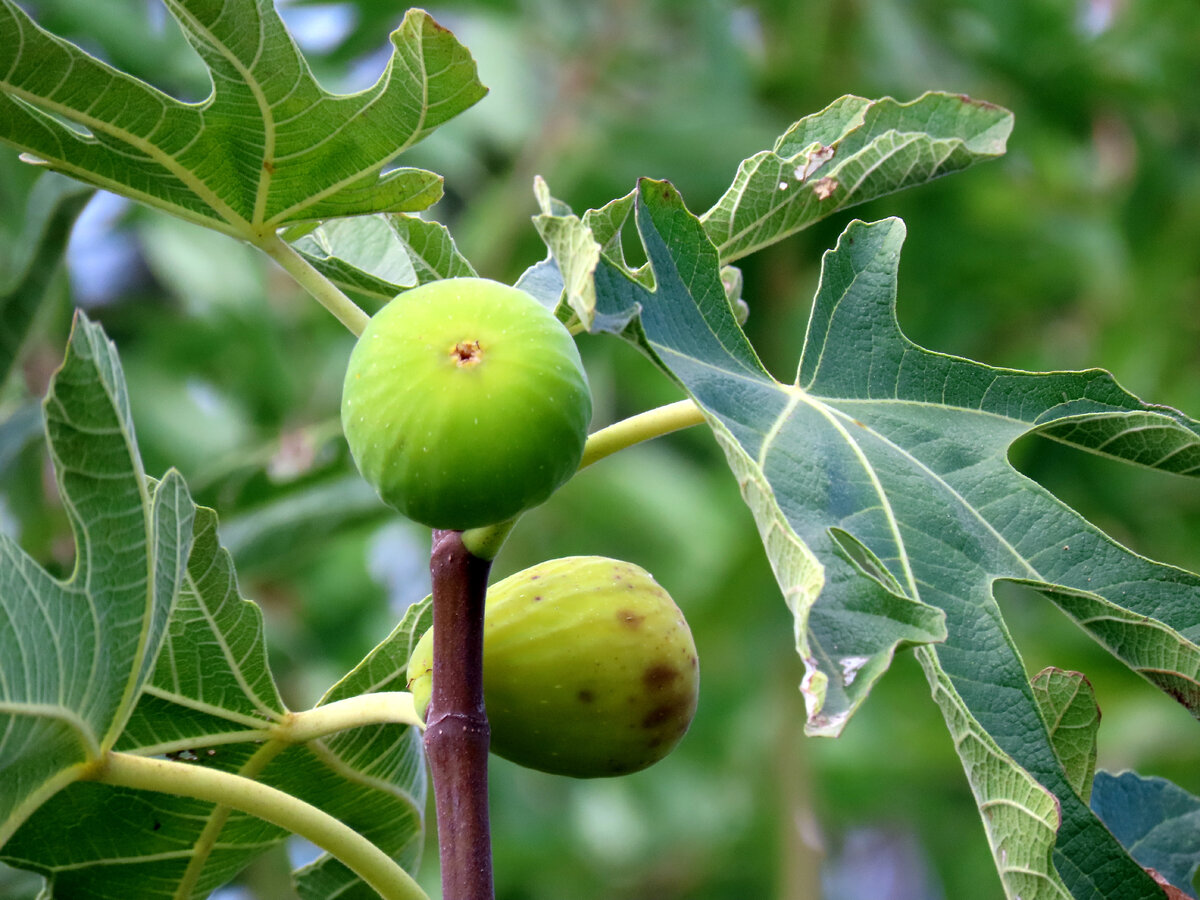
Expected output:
(1080, 248)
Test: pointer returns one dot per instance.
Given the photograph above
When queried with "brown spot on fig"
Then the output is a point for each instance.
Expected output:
(603, 702)
(664, 713)
(659, 676)
(629, 618)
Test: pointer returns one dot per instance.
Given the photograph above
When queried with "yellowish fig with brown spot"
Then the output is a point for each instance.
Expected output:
(589, 668)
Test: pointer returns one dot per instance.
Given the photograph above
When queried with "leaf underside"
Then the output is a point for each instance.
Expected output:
(75, 654)
(1068, 705)
(203, 689)
(880, 483)
(852, 151)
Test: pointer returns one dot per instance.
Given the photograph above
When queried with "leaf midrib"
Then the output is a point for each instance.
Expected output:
(264, 178)
(150, 151)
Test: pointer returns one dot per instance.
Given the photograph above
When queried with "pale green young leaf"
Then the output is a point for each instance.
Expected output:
(573, 249)
(1068, 704)
(267, 148)
(75, 654)
(881, 486)
(382, 256)
(576, 245)
(852, 151)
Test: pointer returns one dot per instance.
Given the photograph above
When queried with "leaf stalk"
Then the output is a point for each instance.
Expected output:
(325, 291)
(366, 860)
(486, 541)
(382, 708)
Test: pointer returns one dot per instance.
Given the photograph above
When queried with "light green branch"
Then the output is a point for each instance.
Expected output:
(642, 427)
(395, 707)
(362, 857)
(485, 542)
(382, 708)
(324, 290)
(217, 817)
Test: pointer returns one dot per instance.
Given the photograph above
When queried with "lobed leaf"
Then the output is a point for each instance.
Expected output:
(881, 486)
(211, 699)
(211, 693)
(852, 151)
(1019, 815)
(213, 702)
(75, 654)
(267, 148)
(860, 149)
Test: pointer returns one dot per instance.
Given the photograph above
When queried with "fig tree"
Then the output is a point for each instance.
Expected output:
(589, 668)
(465, 403)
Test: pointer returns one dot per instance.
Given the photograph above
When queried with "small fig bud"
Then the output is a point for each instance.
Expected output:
(465, 403)
(589, 668)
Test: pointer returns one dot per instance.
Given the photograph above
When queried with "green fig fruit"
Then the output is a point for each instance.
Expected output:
(465, 403)
(589, 668)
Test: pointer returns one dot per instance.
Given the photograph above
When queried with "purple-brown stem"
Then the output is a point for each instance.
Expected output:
(457, 733)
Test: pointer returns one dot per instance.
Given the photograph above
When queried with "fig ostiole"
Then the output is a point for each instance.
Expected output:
(465, 403)
(589, 668)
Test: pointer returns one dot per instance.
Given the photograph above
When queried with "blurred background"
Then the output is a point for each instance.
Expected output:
(1080, 248)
